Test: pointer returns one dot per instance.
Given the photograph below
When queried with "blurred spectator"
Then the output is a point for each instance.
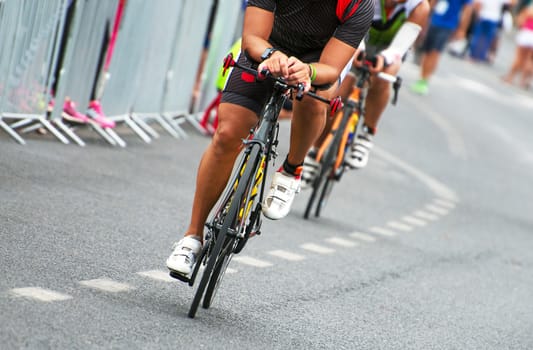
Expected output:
(448, 16)
(489, 15)
(523, 60)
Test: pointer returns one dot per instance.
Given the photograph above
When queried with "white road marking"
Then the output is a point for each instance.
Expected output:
(229, 270)
(107, 285)
(342, 242)
(399, 226)
(425, 215)
(438, 188)
(437, 210)
(519, 149)
(382, 231)
(456, 144)
(157, 275)
(247, 260)
(444, 203)
(40, 294)
(317, 248)
(414, 221)
(362, 237)
(286, 255)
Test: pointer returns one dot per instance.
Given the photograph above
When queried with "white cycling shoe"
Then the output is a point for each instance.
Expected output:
(183, 256)
(310, 171)
(278, 201)
(359, 154)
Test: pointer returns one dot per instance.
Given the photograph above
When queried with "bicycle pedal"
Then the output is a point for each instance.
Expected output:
(179, 277)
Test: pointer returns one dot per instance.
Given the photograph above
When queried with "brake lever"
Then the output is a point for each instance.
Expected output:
(300, 92)
(396, 87)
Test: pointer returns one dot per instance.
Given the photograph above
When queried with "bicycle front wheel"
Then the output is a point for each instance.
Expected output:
(225, 227)
(214, 256)
(220, 269)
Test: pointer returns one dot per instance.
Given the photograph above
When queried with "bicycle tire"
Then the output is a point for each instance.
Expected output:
(327, 162)
(247, 182)
(227, 221)
(330, 160)
(327, 187)
(218, 272)
(198, 264)
(317, 184)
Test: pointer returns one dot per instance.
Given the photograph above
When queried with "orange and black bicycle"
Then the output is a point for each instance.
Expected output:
(345, 126)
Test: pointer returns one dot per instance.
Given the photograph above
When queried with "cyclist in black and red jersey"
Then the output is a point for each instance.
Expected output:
(304, 41)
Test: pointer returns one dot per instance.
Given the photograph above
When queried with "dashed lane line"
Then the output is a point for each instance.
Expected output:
(247, 260)
(444, 203)
(437, 210)
(107, 285)
(157, 275)
(414, 221)
(425, 215)
(399, 226)
(283, 254)
(382, 231)
(363, 237)
(341, 242)
(315, 248)
(39, 294)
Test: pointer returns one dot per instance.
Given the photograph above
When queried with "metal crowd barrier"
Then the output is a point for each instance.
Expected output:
(60, 44)
(82, 62)
(28, 34)
(226, 30)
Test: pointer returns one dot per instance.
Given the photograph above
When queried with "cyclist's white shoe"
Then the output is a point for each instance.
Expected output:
(358, 156)
(278, 201)
(310, 171)
(184, 255)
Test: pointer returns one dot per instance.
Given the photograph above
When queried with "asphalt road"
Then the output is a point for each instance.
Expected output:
(429, 247)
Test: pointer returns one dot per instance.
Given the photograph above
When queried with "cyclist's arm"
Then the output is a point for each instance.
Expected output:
(335, 56)
(407, 34)
(340, 49)
(257, 27)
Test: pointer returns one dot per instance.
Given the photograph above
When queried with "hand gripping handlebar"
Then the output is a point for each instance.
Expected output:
(335, 103)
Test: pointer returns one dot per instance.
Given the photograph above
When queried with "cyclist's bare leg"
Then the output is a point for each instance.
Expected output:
(308, 121)
(429, 63)
(378, 98)
(217, 162)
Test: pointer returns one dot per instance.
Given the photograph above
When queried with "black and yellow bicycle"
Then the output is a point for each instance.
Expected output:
(237, 215)
(345, 126)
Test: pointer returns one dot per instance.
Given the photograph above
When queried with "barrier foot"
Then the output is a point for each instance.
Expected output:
(193, 120)
(143, 125)
(137, 129)
(167, 126)
(70, 133)
(115, 137)
(100, 131)
(12, 132)
(22, 123)
(54, 131)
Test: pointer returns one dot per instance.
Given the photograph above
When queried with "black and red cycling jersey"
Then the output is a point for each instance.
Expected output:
(304, 26)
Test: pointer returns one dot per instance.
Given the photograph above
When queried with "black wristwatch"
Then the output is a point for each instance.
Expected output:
(267, 53)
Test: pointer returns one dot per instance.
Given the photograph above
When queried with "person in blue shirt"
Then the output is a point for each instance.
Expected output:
(448, 17)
